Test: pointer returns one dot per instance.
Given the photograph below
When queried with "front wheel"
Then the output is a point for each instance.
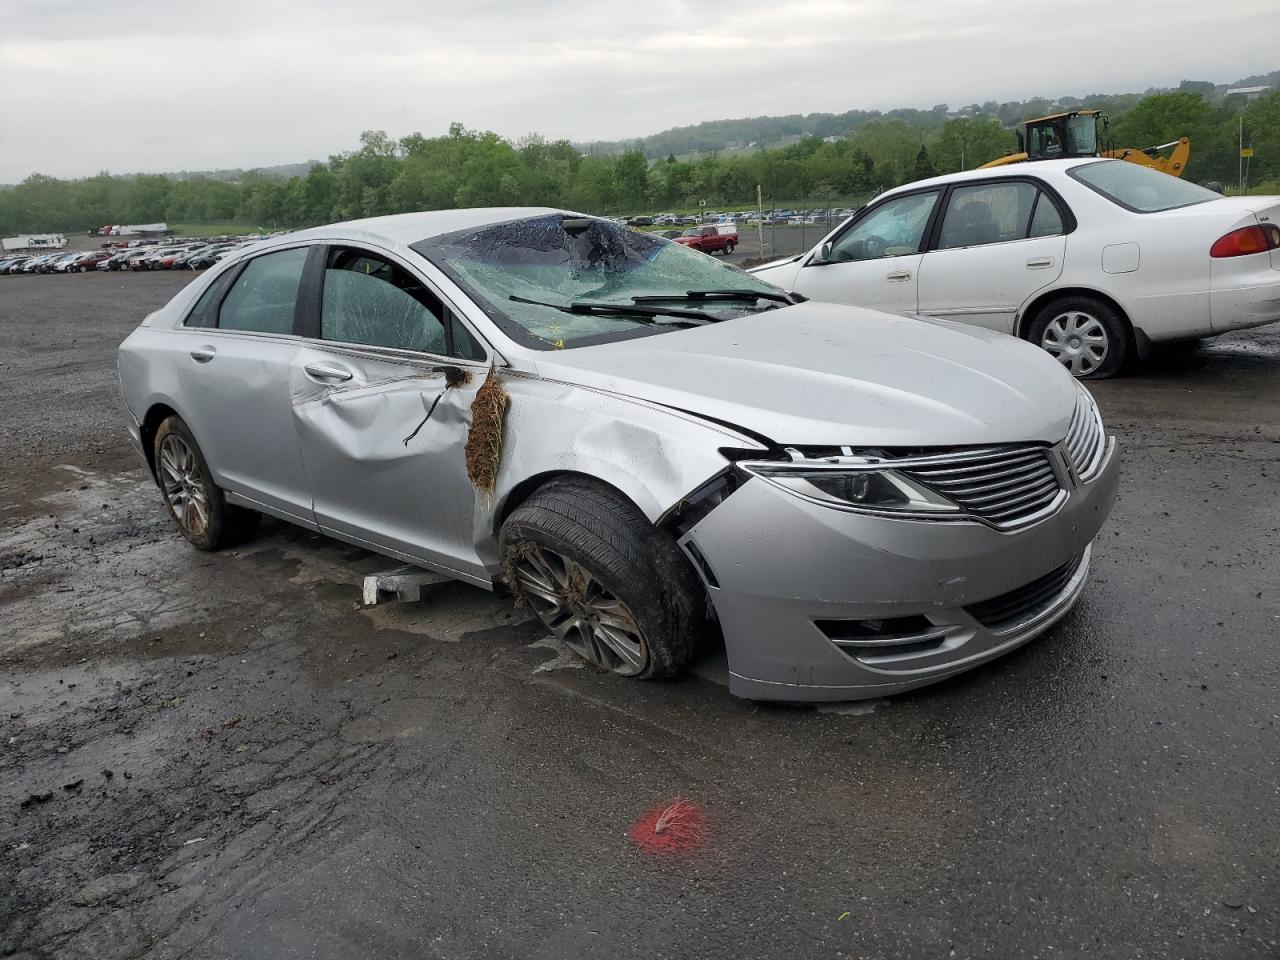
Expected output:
(194, 502)
(1085, 335)
(612, 587)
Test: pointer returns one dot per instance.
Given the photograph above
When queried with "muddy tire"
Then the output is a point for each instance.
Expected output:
(194, 502)
(728, 249)
(603, 579)
(1085, 335)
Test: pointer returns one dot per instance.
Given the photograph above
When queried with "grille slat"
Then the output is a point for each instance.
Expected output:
(1048, 484)
(1085, 440)
(946, 474)
(1020, 605)
(1002, 486)
(1000, 481)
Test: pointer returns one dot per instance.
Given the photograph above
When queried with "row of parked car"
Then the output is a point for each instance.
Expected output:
(815, 215)
(177, 255)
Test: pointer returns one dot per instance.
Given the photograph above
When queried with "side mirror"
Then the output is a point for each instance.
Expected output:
(824, 253)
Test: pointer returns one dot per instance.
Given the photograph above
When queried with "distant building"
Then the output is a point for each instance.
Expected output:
(1251, 93)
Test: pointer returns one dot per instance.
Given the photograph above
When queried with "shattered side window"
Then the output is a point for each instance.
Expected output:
(562, 260)
(205, 312)
(263, 297)
(370, 301)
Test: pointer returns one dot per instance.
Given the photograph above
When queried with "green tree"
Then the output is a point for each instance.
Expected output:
(968, 142)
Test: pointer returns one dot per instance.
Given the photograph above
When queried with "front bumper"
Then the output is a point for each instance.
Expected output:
(777, 565)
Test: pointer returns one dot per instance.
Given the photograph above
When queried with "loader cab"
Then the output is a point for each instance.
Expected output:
(1063, 135)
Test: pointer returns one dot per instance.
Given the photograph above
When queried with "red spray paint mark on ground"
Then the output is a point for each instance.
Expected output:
(674, 827)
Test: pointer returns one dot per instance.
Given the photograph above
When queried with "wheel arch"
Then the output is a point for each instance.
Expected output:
(1038, 302)
(524, 489)
(156, 414)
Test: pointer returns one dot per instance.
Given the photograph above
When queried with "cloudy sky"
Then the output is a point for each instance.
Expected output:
(137, 85)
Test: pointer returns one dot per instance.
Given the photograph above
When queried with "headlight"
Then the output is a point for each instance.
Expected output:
(851, 481)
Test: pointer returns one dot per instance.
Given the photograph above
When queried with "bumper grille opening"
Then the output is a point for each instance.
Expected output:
(892, 636)
(1018, 606)
(1004, 486)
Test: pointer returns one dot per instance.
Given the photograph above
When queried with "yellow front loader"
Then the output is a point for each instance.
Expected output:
(1079, 133)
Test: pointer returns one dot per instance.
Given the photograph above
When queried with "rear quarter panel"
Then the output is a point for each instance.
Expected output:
(1155, 265)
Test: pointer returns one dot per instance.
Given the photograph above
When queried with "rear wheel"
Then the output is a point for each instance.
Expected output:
(194, 502)
(728, 249)
(612, 587)
(1085, 335)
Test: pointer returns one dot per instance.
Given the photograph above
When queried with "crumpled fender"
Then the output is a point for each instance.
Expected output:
(653, 454)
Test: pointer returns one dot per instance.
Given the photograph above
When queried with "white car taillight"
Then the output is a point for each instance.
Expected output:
(1247, 240)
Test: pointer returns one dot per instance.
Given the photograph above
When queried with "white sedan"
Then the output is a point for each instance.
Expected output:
(1093, 260)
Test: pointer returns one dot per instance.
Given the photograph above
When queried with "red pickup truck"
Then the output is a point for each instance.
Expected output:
(710, 239)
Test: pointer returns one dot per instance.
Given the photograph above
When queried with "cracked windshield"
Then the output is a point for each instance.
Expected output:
(556, 281)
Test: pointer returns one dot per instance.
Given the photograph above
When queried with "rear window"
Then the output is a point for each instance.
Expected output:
(1138, 188)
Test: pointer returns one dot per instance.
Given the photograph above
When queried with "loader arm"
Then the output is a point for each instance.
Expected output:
(1174, 163)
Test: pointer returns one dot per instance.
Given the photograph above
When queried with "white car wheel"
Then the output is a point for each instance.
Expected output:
(1083, 334)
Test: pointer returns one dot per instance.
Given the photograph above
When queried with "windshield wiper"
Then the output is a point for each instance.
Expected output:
(717, 295)
(650, 314)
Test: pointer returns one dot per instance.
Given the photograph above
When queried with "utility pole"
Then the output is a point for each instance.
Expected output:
(1240, 158)
(804, 205)
(760, 217)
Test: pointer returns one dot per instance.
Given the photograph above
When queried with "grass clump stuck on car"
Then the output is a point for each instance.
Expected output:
(484, 441)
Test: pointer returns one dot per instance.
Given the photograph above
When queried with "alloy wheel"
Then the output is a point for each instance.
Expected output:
(181, 480)
(1077, 340)
(578, 609)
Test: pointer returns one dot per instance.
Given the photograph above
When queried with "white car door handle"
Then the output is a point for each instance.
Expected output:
(898, 275)
(323, 371)
(1040, 263)
(203, 354)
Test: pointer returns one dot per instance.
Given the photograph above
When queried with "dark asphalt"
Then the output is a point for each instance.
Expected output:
(241, 762)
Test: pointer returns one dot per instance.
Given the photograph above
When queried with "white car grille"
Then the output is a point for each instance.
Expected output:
(1007, 486)
(1085, 439)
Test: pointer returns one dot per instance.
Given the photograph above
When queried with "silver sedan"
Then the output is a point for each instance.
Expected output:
(650, 448)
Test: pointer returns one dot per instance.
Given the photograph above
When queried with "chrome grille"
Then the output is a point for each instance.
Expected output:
(1085, 439)
(1003, 485)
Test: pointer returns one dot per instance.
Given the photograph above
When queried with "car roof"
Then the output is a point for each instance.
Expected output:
(1052, 167)
(407, 228)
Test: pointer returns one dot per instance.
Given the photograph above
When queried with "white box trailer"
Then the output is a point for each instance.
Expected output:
(140, 230)
(35, 241)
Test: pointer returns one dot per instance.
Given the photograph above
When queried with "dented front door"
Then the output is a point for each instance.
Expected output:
(382, 441)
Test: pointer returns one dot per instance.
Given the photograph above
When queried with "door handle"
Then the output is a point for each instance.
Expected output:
(1040, 263)
(322, 371)
(203, 354)
(898, 275)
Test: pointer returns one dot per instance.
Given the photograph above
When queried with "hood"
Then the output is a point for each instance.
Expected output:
(781, 273)
(826, 374)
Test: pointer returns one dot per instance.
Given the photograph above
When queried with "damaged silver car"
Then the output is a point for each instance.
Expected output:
(646, 445)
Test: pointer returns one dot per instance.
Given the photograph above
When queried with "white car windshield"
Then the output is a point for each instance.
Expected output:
(1139, 188)
(556, 281)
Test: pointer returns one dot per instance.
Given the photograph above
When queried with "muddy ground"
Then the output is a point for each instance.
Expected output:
(225, 756)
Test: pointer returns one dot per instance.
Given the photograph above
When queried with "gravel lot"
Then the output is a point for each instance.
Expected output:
(225, 756)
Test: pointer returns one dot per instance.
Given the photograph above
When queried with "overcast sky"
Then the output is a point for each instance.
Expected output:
(137, 85)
